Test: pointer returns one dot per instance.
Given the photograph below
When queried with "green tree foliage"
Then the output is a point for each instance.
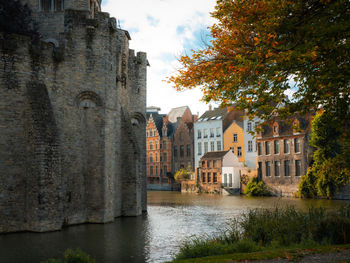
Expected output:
(262, 49)
(183, 174)
(331, 168)
(256, 188)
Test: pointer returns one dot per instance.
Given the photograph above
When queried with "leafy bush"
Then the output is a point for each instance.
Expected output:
(73, 256)
(331, 168)
(270, 228)
(256, 188)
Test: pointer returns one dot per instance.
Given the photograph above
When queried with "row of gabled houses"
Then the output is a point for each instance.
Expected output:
(220, 148)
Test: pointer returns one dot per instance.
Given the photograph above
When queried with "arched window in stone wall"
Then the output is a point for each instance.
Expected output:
(51, 5)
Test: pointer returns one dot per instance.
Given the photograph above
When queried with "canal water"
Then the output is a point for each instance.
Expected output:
(154, 237)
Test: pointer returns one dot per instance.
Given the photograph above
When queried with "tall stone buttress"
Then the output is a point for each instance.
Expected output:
(72, 120)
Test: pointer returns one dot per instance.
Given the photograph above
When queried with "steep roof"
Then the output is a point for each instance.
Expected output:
(217, 112)
(176, 113)
(286, 128)
(214, 155)
(158, 120)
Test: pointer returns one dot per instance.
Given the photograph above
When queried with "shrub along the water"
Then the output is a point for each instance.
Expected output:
(73, 256)
(280, 227)
(256, 188)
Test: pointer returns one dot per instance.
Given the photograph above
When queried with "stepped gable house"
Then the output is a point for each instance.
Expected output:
(159, 144)
(169, 143)
(284, 154)
(72, 107)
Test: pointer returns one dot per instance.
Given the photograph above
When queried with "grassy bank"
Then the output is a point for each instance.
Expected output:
(293, 253)
(277, 229)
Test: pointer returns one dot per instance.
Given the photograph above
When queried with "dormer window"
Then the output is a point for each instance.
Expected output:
(296, 126)
(275, 129)
(51, 5)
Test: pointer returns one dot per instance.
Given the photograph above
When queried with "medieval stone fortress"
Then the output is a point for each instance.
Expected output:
(72, 118)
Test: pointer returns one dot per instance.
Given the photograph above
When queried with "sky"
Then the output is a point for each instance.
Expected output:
(165, 29)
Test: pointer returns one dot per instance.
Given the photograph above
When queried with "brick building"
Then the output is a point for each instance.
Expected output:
(284, 154)
(158, 147)
(219, 169)
(183, 139)
(169, 143)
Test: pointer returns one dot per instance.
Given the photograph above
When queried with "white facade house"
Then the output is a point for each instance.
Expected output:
(250, 141)
(231, 172)
(208, 135)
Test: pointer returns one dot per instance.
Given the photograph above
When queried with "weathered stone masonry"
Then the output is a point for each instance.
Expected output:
(72, 124)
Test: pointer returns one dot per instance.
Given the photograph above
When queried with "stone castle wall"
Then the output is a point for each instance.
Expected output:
(72, 126)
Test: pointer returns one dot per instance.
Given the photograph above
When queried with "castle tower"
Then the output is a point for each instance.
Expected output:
(49, 14)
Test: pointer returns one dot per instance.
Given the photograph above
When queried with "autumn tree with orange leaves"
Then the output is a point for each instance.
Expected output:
(264, 49)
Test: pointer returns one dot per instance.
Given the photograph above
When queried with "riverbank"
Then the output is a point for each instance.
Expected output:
(278, 229)
(301, 254)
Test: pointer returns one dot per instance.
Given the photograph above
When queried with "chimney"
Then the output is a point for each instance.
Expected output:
(210, 107)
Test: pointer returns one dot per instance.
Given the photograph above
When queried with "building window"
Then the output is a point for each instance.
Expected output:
(249, 128)
(205, 147)
(150, 133)
(297, 168)
(188, 150)
(51, 5)
(214, 163)
(250, 146)
(276, 147)
(151, 170)
(286, 168)
(175, 151)
(165, 169)
(199, 133)
(146, 133)
(165, 157)
(203, 177)
(259, 148)
(215, 177)
(182, 151)
(156, 146)
(268, 169)
(164, 145)
(151, 158)
(209, 177)
(205, 133)
(156, 157)
(211, 132)
(277, 168)
(239, 151)
(286, 146)
(181, 136)
(235, 137)
(296, 145)
(267, 148)
(151, 145)
(218, 145)
(212, 146)
(203, 164)
(156, 170)
(218, 133)
(199, 148)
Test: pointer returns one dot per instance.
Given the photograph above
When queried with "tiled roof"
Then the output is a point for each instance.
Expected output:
(214, 155)
(176, 113)
(286, 128)
(217, 112)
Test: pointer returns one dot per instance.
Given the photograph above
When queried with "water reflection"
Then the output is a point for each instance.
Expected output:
(172, 217)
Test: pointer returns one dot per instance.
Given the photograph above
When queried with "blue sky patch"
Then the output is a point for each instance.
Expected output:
(152, 21)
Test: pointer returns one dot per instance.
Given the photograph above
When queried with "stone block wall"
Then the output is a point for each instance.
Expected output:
(72, 130)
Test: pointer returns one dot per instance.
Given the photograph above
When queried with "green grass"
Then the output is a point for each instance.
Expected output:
(265, 229)
(291, 253)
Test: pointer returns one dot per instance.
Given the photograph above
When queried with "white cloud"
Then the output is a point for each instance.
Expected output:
(162, 28)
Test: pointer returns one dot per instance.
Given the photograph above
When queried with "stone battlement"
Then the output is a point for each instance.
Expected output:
(72, 110)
